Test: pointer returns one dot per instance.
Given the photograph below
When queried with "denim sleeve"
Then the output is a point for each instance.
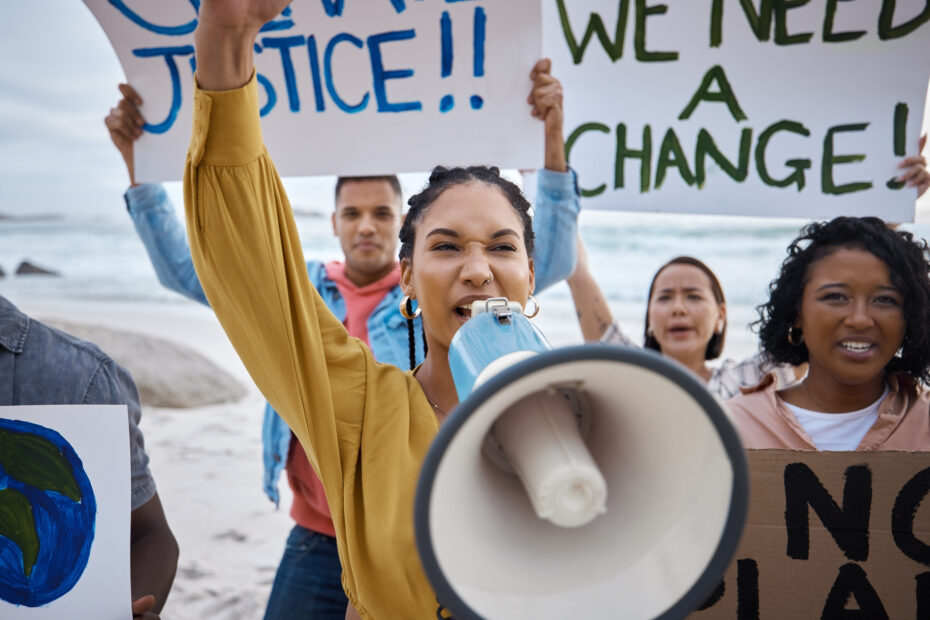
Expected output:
(276, 438)
(164, 239)
(112, 384)
(555, 225)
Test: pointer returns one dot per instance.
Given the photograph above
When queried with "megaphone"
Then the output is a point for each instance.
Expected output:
(590, 481)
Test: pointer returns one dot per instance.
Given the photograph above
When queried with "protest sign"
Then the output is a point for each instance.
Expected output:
(795, 108)
(831, 535)
(64, 512)
(349, 87)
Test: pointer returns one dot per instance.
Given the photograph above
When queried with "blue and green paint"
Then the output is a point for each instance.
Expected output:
(47, 514)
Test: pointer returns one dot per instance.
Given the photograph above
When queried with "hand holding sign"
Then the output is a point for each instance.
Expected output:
(142, 608)
(915, 170)
(224, 38)
(546, 99)
(240, 16)
(125, 122)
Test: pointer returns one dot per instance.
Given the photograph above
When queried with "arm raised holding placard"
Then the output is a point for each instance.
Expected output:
(555, 219)
(224, 38)
(366, 427)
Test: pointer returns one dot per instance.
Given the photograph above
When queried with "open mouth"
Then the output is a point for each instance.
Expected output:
(856, 347)
(463, 311)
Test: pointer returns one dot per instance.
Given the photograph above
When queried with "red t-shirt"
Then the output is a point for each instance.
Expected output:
(310, 509)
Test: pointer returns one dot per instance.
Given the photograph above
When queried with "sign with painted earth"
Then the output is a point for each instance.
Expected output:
(47, 514)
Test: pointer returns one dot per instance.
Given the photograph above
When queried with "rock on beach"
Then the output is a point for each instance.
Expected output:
(166, 373)
(28, 269)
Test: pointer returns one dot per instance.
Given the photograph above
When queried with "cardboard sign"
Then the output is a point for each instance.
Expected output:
(64, 512)
(831, 535)
(745, 107)
(349, 87)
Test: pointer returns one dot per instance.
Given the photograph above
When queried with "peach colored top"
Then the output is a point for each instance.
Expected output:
(764, 421)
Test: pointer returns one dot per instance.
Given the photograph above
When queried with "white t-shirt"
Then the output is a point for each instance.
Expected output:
(838, 431)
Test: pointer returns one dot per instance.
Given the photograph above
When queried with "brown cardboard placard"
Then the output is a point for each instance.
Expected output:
(831, 535)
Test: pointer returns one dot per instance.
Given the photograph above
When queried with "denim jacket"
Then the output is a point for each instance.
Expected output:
(40, 365)
(165, 240)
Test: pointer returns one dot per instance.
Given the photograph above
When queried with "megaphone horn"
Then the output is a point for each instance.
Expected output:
(631, 489)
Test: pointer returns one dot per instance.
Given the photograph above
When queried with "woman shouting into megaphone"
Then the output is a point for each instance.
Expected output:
(366, 426)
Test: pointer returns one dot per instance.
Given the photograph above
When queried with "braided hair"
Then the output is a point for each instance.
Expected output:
(441, 179)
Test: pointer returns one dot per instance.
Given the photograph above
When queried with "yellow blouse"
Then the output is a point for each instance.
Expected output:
(365, 426)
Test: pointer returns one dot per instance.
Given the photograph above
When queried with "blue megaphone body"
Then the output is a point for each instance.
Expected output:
(496, 333)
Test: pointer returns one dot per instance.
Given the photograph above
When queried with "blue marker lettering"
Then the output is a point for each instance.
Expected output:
(272, 98)
(333, 9)
(481, 21)
(284, 44)
(381, 76)
(274, 26)
(168, 53)
(445, 26)
(328, 68)
(446, 57)
(315, 73)
(173, 31)
(283, 24)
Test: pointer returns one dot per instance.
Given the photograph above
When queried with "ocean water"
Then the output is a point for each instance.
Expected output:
(102, 260)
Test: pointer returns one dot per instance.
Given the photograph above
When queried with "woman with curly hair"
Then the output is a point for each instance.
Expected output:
(851, 301)
(686, 312)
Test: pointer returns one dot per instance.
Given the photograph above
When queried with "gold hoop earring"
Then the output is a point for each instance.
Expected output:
(794, 339)
(406, 308)
(536, 307)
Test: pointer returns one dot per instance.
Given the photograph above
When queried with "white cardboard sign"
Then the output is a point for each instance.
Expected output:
(64, 531)
(744, 107)
(349, 87)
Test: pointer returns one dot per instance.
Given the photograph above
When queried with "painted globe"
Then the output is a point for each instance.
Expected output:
(47, 514)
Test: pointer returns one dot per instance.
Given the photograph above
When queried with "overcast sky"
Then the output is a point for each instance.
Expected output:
(57, 82)
(58, 79)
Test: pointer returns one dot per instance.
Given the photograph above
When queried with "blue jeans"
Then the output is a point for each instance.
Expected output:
(308, 583)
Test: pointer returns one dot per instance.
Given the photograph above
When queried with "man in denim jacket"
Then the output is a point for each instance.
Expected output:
(367, 219)
(40, 365)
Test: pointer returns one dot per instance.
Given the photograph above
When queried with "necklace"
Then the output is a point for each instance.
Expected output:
(436, 407)
(812, 398)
